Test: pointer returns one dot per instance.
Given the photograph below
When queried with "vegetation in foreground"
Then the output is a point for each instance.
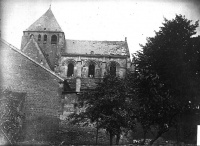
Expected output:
(162, 92)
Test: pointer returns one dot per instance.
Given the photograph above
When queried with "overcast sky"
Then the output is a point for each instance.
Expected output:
(111, 20)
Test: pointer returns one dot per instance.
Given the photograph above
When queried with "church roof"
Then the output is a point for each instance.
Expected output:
(97, 47)
(33, 50)
(47, 22)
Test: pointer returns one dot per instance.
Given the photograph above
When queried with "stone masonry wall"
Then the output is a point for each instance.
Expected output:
(121, 65)
(51, 51)
(42, 102)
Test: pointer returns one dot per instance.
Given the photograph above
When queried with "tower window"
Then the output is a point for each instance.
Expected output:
(45, 39)
(54, 39)
(31, 35)
(113, 69)
(70, 70)
(39, 37)
(91, 72)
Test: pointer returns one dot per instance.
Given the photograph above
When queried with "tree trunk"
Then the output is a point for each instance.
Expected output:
(177, 134)
(118, 138)
(178, 130)
(97, 133)
(144, 136)
(111, 137)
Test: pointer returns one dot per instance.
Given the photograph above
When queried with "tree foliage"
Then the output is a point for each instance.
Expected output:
(106, 106)
(164, 86)
(167, 74)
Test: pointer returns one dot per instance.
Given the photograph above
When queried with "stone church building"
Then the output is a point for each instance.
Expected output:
(81, 63)
(47, 59)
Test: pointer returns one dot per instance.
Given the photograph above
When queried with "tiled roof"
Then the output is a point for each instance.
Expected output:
(97, 47)
(47, 22)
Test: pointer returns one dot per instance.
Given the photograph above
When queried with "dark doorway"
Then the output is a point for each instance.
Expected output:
(70, 70)
(91, 70)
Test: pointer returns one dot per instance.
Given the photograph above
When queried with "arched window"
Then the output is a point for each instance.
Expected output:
(91, 72)
(70, 70)
(31, 35)
(45, 39)
(113, 69)
(39, 37)
(54, 39)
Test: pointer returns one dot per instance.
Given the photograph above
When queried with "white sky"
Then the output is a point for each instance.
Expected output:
(111, 20)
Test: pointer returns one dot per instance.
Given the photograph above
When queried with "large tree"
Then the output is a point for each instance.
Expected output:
(167, 74)
(106, 106)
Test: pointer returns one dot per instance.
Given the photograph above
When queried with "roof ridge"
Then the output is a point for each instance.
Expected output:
(94, 40)
(23, 54)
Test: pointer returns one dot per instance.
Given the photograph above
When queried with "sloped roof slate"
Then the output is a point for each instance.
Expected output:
(97, 47)
(33, 50)
(47, 22)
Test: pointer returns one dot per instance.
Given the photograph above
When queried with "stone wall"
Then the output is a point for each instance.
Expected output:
(101, 65)
(50, 51)
(20, 74)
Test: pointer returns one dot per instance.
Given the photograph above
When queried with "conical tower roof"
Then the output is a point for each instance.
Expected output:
(47, 22)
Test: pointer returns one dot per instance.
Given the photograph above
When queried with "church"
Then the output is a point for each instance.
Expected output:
(82, 63)
(47, 60)
(45, 42)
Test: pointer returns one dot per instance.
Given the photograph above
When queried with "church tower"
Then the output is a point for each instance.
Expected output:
(44, 40)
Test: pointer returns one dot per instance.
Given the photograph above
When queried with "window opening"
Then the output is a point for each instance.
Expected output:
(113, 69)
(54, 39)
(31, 35)
(45, 39)
(39, 37)
(70, 70)
(91, 70)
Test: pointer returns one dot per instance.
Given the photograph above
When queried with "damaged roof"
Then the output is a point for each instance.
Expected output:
(47, 22)
(97, 47)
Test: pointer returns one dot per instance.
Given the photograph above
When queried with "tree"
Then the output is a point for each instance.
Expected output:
(167, 75)
(105, 106)
(157, 108)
